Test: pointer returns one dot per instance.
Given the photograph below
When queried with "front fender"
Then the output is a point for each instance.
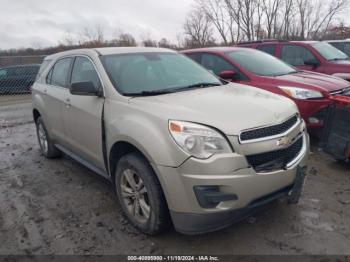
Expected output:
(149, 135)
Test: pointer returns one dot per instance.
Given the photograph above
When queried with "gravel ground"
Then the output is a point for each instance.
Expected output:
(60, 207)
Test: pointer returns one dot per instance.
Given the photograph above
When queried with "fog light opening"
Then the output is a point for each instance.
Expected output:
(314, 120)
(211, 196)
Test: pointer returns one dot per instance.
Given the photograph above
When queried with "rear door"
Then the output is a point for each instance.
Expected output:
(55, 94)
(84, 115)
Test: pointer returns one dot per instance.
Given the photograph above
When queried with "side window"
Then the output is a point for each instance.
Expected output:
(59, 73)
(270, 49)
(215, 64)
(196, 57)
(296, 55)
(84, 71)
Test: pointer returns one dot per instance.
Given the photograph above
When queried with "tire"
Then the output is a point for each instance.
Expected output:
(47, 147)
(153, 217)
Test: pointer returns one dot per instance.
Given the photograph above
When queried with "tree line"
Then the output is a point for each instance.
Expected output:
(235, 21)
(225, 22)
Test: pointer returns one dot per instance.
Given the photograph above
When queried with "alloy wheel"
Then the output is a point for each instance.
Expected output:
(135, 196)
(42, 138)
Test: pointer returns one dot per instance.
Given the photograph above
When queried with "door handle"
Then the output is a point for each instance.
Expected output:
(68, 104)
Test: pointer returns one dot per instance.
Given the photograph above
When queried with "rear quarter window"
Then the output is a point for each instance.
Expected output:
(42, 68)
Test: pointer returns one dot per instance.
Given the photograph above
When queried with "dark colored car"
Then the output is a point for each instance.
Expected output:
(17, 79)
(313, 56)
(342, 45)
(310, 91)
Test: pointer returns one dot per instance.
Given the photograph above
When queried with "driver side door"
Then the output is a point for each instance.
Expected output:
(84, 115)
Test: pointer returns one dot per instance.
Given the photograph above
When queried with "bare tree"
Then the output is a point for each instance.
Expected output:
(234, 10)
(92, 36)
(270, 9)
(165, 43)
(316, 16)
(219, 17)
(149, 43)
(124, 39)
(198, 29)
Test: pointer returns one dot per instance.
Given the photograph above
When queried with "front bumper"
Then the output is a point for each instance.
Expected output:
(190, 223)
(312, 111)
(232, 175)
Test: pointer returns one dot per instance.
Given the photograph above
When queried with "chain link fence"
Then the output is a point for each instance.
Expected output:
(18, 73)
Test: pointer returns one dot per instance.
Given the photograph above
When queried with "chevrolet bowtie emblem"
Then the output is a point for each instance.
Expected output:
(284, 141)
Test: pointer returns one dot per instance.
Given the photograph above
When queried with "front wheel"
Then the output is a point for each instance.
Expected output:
(140, 194)
(47, 147)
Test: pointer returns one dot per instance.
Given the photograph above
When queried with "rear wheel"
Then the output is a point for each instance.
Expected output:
(140, 194)
(47, 147)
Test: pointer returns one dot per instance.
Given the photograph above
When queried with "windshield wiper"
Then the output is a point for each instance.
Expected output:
(284, 74)
(149, 93)
(171, 90)
(201, 85)
(338, 59)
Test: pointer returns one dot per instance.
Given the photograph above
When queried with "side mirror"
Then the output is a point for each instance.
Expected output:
(312, 62)
(84, 89)
(228, 74)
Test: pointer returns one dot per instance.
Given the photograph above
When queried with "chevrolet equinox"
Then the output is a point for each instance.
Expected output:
(178, 143)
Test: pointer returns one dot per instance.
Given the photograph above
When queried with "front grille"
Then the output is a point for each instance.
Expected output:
(269, 131)
(275, 160)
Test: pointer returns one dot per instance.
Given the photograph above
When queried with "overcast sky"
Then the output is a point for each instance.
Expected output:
(41, 23)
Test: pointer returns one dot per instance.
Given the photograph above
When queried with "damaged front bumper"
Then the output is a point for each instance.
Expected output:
(192, 223)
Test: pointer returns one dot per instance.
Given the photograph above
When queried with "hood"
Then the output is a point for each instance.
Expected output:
(314, 81)
(230, 108)
(342, 62)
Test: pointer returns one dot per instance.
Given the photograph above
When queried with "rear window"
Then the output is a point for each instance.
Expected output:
(270, 49)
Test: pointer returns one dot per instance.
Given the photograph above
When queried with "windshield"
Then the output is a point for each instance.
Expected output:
(260, 63)
(329, 52)
(147, 73)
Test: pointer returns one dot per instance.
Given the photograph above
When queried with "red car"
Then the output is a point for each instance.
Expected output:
(310, 91)
(313, 56)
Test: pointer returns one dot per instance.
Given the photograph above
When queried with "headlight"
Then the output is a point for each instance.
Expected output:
(301, 93)
(198, 140)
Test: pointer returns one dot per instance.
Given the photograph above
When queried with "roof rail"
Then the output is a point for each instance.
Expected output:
(261, 41)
